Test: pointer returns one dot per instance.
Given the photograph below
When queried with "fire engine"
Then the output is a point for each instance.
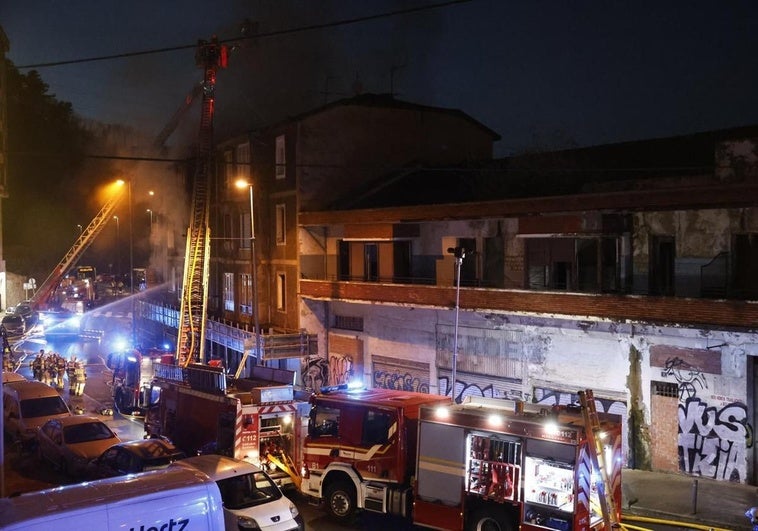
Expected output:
(255, 419)
(485, 463)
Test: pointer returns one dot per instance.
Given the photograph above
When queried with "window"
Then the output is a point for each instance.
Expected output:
(324, 422)
(246, 294)
(573, 264)
(347, 322)
(376, 426)
(281, 225)
(281, 167)
(245, 230)
(229, 292)
(662, 258)
(281, 292)
(242, 162)
(375, 261)
(745, 248)
(228, 168)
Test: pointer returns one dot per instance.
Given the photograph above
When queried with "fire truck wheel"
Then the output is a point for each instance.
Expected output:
(490, 519)
(340, 500)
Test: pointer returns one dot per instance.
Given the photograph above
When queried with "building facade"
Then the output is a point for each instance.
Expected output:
(308, 161)
(632, 283)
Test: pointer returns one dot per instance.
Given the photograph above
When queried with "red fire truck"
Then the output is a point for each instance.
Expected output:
(494, 464)
(255, 418)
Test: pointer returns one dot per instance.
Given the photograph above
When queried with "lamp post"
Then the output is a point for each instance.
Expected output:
(118, 248)
(460, 254)
(242, 184)
(128, 182)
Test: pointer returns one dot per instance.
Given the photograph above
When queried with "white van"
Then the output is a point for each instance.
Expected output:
(170, 500)
(27, 405)
(204, 493)
(250, 499)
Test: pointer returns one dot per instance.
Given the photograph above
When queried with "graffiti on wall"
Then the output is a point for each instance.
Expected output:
(314, 372)
(689, 377)
(554, 397)
(402, 375)
(401, 381)
(712, 441)
(341, 369)
(478, 385)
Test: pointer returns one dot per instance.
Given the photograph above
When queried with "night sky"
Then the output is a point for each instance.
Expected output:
(540, 73)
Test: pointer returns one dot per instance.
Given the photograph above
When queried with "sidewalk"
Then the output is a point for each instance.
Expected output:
(671, 496)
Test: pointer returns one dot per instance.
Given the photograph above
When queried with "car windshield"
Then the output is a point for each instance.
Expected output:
(248, 490)
(90, 431)
(43, 407)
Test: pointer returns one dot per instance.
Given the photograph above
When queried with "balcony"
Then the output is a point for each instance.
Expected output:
(627, 308)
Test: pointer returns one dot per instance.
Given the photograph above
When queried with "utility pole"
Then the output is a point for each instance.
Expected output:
(460, 254)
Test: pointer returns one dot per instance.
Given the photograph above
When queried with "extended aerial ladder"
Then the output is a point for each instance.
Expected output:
(190, 344)
(44, 297)
(594, 437)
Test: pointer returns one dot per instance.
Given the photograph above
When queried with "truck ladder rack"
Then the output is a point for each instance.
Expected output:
(594, 437)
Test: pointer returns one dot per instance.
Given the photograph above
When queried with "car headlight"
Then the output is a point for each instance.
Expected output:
(293, 510)
(245, 522)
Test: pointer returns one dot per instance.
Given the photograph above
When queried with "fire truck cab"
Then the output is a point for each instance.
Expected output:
(360, 450)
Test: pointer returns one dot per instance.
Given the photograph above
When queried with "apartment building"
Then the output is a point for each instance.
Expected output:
(308, 162)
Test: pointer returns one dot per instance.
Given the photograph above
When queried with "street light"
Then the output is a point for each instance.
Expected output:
(460, 254)
(241, 183)
(121, 182)
(118, 248)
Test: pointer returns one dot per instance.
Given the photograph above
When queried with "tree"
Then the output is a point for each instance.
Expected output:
(46, 145)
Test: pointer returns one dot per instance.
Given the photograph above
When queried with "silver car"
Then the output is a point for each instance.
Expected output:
(70, 443)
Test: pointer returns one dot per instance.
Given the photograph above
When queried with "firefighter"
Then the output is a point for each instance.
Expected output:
(48, 369)
(80, 377)
(71, 373)
(60, 369)
(36, 365)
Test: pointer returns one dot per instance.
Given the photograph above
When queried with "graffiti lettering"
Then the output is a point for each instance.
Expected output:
(340, 369)
(314, 373)
(399, 381)
(712, 442)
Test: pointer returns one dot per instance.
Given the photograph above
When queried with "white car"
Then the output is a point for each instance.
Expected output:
(250, 498)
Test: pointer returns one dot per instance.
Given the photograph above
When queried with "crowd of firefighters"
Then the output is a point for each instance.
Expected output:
(51, 368)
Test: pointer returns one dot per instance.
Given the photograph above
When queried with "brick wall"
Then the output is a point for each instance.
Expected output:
(663, 433)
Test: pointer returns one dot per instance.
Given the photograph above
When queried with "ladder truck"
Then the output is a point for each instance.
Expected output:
(190, 344)
(45, 297)
(483, 464)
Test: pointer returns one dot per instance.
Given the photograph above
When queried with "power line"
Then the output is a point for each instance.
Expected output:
(289, 31)
(451, 169)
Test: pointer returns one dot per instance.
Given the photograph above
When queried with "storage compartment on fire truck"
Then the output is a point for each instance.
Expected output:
(550, 485)
(493, 467)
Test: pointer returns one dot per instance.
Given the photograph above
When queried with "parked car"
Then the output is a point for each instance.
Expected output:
(70, 443)
(9, 376)
(133, 456)
(15, 325)
(25, 310)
